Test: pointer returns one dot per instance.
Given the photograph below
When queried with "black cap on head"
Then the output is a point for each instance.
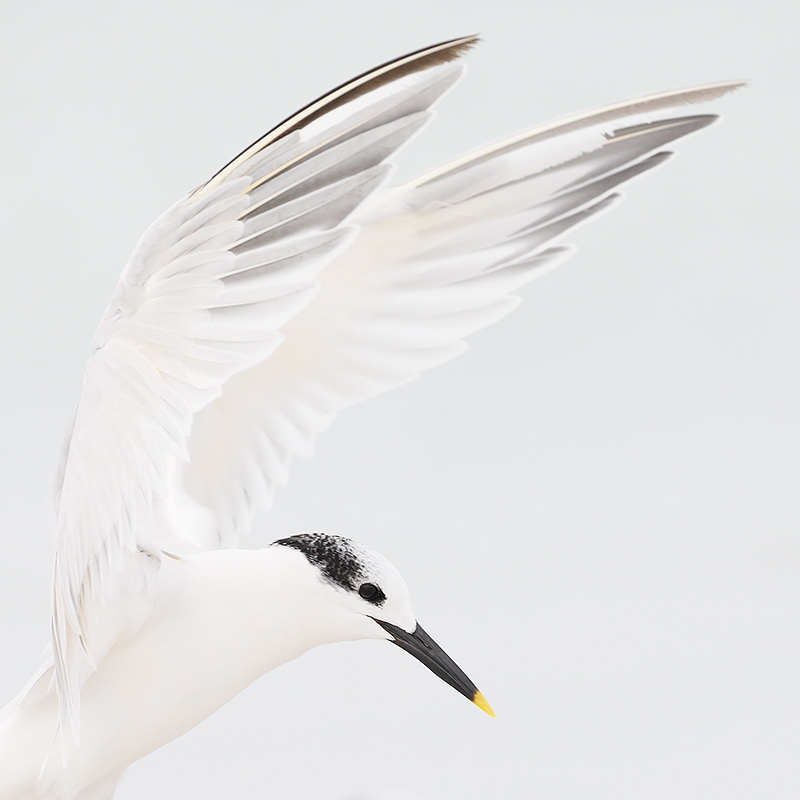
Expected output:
(335, 557)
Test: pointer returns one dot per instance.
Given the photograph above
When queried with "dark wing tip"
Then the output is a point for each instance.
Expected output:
(450, 50)
(419, 60)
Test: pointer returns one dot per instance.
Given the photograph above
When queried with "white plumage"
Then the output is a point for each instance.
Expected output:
(291, 285)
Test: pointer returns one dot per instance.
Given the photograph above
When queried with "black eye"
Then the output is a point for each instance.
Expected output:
(372, 593)
(368, 590)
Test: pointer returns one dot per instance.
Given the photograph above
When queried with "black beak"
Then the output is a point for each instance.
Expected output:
(422, 647)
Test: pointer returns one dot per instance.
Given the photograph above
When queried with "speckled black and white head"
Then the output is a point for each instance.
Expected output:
(358, 573)
(375, 601)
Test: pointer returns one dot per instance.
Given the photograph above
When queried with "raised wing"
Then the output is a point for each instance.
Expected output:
(204, 297)
(436, 259)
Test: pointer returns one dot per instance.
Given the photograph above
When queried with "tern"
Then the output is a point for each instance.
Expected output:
(293, 283)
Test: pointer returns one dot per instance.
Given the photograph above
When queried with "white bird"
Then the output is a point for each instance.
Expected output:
(292, 284)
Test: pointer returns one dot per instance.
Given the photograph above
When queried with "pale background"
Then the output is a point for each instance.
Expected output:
(596, 507)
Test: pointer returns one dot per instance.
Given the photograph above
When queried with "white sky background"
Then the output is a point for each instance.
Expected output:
(596, 507)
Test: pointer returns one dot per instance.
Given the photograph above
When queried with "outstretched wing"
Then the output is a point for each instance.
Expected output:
(436, 259)
(204, 297)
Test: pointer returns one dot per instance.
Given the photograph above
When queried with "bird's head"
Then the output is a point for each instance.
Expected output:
(374, 602)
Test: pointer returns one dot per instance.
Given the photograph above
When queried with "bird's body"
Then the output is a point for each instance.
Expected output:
(219, 620)
(289, 286)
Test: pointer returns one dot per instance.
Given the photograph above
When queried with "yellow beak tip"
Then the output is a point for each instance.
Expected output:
(482, 703)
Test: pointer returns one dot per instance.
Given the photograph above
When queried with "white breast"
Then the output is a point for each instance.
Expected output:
(220, 620)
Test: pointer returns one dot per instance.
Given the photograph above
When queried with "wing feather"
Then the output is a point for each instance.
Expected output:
(435, 260)
(204, 297)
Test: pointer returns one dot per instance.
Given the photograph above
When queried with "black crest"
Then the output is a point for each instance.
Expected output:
(332, 554)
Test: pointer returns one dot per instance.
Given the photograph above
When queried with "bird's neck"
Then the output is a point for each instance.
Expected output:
(256, 608)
